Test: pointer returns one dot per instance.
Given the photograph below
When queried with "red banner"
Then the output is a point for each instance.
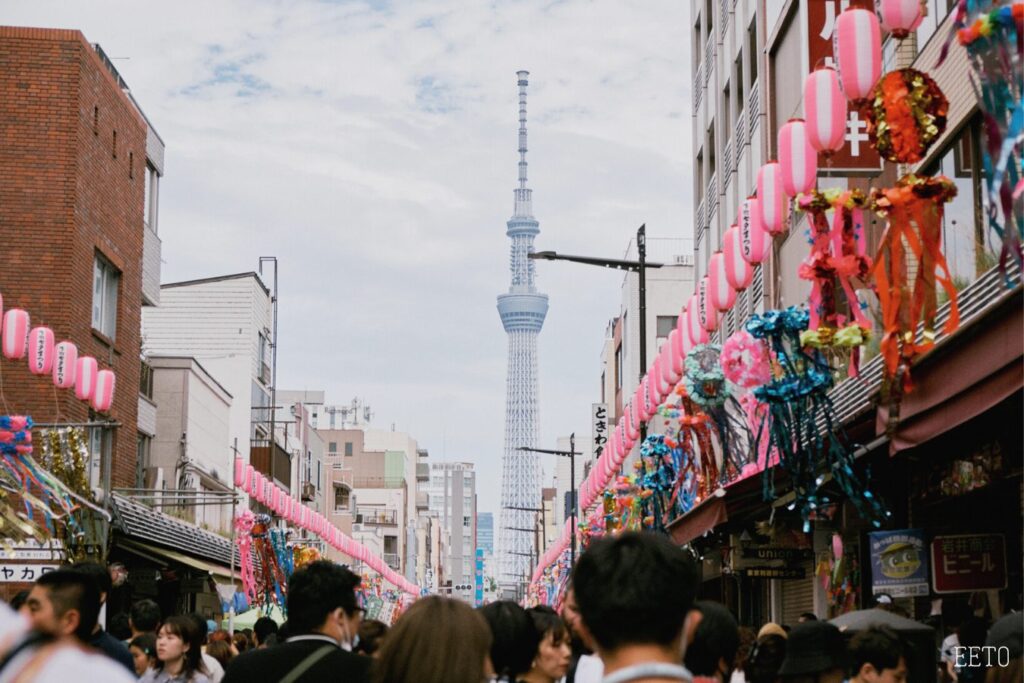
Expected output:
(974, 562)
(857, 154)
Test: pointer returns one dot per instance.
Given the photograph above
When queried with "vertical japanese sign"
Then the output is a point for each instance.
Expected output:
(899, 563)
(973, 562)
(857, 155)
(600, 427)
(478, 578)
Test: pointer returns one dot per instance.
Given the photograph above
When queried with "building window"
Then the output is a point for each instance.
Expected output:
(264, 367)
(618, 368)
(348, 449)
(341, 499)
(151, 191)
(332, 447)
(146, 380)
(467, 522)
(104, 297)
(666, 323)
(142, 458)
(113, 147)
(131, 165)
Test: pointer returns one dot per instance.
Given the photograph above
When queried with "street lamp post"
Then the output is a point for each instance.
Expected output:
(640, 267)
(571, 454)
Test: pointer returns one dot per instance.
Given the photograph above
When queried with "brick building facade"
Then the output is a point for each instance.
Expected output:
(73, 176)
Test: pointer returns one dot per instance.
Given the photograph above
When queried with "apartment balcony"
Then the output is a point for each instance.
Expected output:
(422, 500)
(422, 471)
(698, 87)
(378, 482)
(151, 248)
(709, 54)
(727, 153)
(375, 517)
(392, 560)
(711, 197)
(272, 461)
(753, 109)
(740, 133)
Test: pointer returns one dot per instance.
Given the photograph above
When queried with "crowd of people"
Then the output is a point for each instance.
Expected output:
(630, 615)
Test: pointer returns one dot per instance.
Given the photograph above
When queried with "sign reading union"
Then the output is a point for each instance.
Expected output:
(769, 553)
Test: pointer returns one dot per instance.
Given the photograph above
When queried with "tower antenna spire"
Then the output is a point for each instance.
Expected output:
(524, 199)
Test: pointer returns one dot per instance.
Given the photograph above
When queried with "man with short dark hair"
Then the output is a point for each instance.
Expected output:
(99, 638)
(806, 616)
(262, 630)
(815, 653)
(323, 620)
(641, 627)
(144, 617)
(64, 603)
(716, 639)
(878, 656)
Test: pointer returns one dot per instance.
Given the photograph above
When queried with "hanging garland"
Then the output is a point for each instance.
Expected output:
(907, 115)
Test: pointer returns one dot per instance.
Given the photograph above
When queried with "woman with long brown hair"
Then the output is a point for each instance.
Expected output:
(438, 640)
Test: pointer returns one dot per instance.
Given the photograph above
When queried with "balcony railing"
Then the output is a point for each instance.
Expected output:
(698, 87)
(392, 560)
(741, 134)
(376, 517)
(728, 164)
(723, 20)
(378, 482)
(709, 54)
(712, 197)
(753, 109)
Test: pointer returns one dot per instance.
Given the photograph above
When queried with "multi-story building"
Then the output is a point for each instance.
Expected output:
(485, 532)
(295, 431)
(225, 323)
(452, 499)
(191, 449)
(80, 167)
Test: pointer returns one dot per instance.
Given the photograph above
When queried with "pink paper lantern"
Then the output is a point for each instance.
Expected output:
(40, 345)
(858, 50)
(672, 364)
(239, 472)
(65, 359)
(900, 17)
(103, 397)
(653, 387)
(257, 486)
(825, 107)
(738, 271)
(675, 341)
(639, 404)
(720, 290)
(771, 199)
(754, 240)
(695, 332)
(15, 333)
(86, 370)
(706, 313)
(797, 159)
(275, 494)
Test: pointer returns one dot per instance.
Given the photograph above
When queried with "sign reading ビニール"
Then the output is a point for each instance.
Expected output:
(972, 562)
(899, 563)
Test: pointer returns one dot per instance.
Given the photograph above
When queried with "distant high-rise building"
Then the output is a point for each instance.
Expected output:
(485, 532)
(452, 499)
(522, 311)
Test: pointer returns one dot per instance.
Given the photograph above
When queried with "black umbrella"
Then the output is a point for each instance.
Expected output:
(865, 618)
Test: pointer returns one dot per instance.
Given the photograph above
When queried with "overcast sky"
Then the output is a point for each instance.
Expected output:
(371, 147)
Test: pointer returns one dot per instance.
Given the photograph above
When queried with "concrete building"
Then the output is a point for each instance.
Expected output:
(81, 165)
(225, 323)
(191, 450)
(485, 532)
(452, 499)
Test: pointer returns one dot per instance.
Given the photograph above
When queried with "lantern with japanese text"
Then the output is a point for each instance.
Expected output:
(103, 397)
(738, 271)
(706, 313)
(15, 333)
(754, 240)
(65, 359)
(858, 50)
(825, 108)
(40, 345)
(771, 199)
(797, 159)
(720, 290)
(86, 370)
(696, 334)
(900, 17)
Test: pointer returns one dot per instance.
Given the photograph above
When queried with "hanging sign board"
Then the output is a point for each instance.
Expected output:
(785, 573)
(899, 563)
(769, 553)
(973, 562)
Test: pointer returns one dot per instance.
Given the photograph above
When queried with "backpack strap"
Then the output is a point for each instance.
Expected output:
(307, 663)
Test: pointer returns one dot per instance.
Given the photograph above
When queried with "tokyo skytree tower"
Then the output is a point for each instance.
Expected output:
(522, 311)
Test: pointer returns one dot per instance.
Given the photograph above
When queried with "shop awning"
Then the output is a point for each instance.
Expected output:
(162, 555)
(704, 517)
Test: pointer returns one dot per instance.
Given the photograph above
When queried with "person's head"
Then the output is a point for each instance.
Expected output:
(143, 649)
(814, 651)
(64, 602)
(765, 659)
(202, 627)
(262, 630)
(371, 635)
(1007, 635)
(322, 599)
(571, 616)
(878, 656)
(806, 616)
(437, 640)
(772, 629)
(179, 646)
(98, 573)
(654, 583)
(118, 627)
(241, 642)
(553, 653)
(18, 601)
(515, 639)
(715, 641)
(221, 651)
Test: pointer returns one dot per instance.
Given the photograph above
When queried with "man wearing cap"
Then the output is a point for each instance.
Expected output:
(815, 653)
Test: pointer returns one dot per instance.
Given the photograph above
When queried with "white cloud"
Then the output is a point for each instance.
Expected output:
(371, 147)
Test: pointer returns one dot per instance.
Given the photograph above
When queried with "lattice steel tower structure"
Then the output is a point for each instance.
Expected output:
(522, 311)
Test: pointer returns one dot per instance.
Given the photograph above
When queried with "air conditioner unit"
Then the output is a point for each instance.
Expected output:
(357, 528)
(308, 492)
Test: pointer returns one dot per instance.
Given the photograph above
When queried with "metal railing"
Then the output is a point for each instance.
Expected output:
(392, 560)
(711, 198)
(709, 54)
(378, 482)
(741, 134)
(753, 108)
(723, 20)
(376, 517)
(727, 153)
(698, 87)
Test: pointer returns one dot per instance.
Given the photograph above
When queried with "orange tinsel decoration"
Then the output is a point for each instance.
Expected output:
(907, 115)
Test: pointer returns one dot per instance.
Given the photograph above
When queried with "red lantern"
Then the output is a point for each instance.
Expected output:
(825, 107)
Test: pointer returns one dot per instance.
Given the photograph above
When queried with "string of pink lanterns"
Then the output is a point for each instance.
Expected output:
(828, 93)
(264, 491)
(37, 345)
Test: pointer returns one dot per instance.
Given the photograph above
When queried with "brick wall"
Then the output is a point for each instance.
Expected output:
(63, 196)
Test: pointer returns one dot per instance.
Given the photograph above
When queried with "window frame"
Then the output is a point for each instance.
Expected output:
(106, 282)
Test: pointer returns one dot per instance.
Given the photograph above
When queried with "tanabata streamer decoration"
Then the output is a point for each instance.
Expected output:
(658, 478)
(802, 424)
(914, 209)
(706, 386)
(269, 585)
(840, 577)
(907, 115)
(993, 44)
(64, 454)
(746, 362)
